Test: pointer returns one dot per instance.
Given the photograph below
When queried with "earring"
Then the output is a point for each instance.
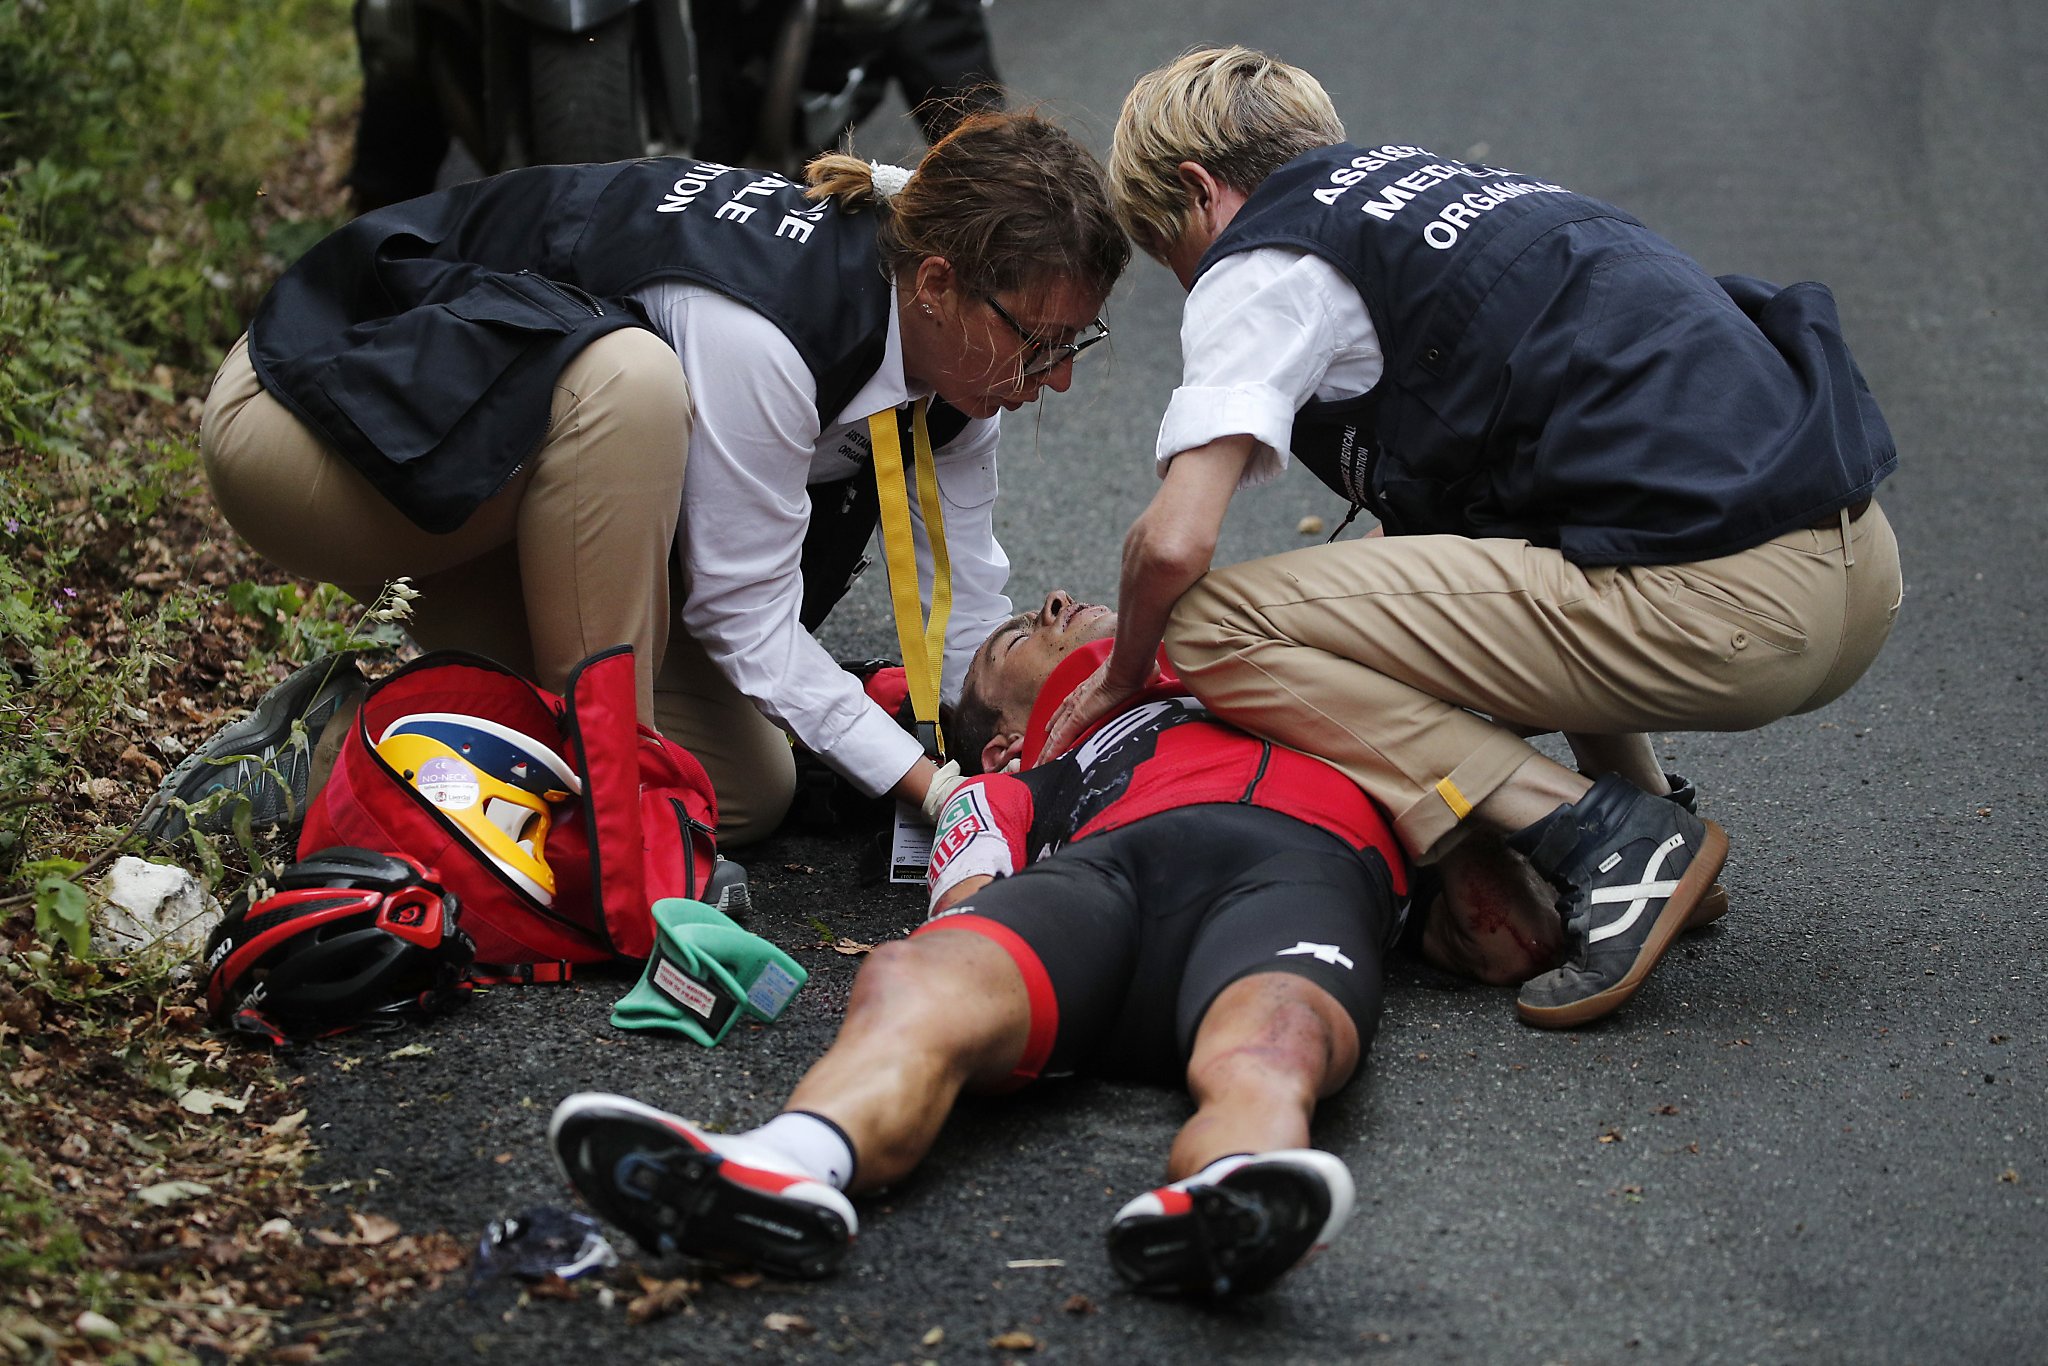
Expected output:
(927, 309)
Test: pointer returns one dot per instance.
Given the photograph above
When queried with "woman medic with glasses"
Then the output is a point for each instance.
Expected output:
(586, 405)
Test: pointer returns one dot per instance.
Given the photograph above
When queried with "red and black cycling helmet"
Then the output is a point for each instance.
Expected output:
(351, 937)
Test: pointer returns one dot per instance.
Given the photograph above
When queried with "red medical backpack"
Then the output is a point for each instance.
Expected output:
(642, 829)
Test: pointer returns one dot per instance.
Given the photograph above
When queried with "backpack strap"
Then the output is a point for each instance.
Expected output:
(602, 722)
(517, 974)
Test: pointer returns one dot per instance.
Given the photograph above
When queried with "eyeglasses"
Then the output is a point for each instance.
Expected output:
(1041, 355)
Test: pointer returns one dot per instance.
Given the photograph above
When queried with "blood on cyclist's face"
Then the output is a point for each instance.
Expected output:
(1014, 662)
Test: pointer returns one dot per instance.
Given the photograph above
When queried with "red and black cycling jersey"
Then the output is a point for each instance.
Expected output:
(1162, 751)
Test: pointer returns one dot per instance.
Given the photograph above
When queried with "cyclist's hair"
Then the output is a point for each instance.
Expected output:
(972, 723)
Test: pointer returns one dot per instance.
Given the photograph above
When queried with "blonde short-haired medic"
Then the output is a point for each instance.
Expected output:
(1615, 495)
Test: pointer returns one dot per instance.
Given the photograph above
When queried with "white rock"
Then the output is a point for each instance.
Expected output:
(149, 903)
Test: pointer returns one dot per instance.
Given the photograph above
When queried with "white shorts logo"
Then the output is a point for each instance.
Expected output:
(1327, 953)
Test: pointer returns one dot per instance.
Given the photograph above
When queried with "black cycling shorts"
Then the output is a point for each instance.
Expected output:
(1125, 938)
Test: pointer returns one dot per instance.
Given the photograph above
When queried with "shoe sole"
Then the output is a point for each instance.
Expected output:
(730, 894)
(1204, 1250)
(677, 1202)
(1676, 917)
(268, 726)
(1711, 907)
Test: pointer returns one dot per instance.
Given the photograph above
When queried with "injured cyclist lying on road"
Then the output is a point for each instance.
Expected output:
(1171, 899)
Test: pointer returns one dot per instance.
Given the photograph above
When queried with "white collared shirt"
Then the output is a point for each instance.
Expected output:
(1264, 332)
(756, 447)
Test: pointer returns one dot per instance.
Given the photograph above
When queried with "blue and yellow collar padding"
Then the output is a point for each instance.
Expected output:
(705, 972)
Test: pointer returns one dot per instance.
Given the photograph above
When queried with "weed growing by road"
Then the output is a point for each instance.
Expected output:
(158, 164)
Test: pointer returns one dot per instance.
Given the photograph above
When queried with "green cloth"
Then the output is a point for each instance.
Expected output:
(705, 973)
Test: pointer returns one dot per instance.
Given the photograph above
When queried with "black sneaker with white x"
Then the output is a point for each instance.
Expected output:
(1234, 1227)
(679, 1189)
(256, 763)
(1630, 869)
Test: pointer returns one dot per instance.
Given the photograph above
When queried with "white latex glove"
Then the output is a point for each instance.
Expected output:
(943, 783)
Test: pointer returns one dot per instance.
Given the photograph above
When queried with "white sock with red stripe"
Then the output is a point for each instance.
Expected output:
(808, 1143)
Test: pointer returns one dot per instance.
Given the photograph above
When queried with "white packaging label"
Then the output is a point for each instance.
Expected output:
(772, 989)
(910, 846)
(683, 989)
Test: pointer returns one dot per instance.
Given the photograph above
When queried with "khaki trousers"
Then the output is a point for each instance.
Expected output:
(574, 555)
(1380, 655)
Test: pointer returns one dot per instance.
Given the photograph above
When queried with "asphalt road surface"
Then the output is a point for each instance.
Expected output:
(1816, 1135)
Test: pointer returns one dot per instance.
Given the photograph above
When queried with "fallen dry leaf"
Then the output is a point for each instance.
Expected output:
(1078, 1304)
(852, 948)
(203, 1102)
(1016, 1340)
(372, 1229)
(167, 1193)
(94, 1324)
(788, 1323)
(289, 1124)
(133, 757)
(661, 1299)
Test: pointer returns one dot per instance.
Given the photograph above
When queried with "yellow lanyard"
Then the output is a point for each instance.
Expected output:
(924, 651)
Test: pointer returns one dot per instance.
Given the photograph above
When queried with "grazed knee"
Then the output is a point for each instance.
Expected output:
(1276, 1043)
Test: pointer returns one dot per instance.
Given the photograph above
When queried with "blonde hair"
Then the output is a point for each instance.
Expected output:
(1239, 114)
(1010, 199)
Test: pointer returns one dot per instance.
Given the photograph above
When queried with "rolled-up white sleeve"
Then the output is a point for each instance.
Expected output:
(745, 509)
(1259, 333)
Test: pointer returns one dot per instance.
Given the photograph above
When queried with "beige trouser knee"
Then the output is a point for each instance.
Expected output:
(747, 755)
(571, 557)
(1380, 654)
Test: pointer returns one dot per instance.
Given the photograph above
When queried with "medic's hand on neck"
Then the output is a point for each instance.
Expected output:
(1167, 549)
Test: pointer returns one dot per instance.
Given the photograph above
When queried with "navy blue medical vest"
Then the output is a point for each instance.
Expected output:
(1558, 373)
(422, 341)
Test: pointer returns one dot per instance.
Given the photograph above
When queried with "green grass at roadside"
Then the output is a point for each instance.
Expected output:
(40, 1242)
(135, 236)
(159, 159)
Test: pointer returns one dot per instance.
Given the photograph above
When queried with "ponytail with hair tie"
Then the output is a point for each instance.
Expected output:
(854, 184)
(1007, 198)
(888, 180)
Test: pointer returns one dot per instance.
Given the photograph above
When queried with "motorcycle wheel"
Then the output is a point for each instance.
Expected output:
(588, 97)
